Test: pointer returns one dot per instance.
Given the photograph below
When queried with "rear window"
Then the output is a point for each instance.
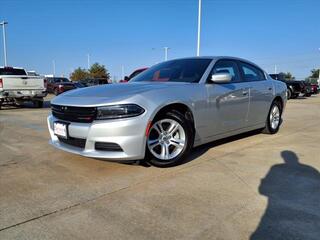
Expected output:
(58, 80)
(12, 71)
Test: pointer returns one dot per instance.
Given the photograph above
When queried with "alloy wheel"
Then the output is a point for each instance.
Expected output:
(166, 139)
(274, 117)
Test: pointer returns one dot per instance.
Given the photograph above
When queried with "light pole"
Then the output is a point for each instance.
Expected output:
(199, 28)
(88, 55)
(319, 73)
(166, 53)
(122, 72)
(3, 23)
(54, 67)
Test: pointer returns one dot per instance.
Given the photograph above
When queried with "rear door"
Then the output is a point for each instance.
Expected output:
(260, 92)
(228, 102)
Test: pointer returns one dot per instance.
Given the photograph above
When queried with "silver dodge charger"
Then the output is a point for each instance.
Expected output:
(165, 111)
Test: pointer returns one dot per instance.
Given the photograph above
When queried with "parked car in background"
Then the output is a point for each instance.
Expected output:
(17, 87)
(294, 88)
(314, 88)
(32, 73)
(58, 85)
(132, 75)
(166, 110)
(88, 82)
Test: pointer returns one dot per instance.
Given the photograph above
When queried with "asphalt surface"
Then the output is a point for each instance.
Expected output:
(253, 186)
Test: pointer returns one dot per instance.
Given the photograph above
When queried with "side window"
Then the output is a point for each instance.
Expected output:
(135, 73)
(251, 73)
(227, 66)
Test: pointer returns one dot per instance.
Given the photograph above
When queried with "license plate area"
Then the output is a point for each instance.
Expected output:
(60, 129)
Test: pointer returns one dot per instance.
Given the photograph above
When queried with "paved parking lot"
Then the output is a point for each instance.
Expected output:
(252, 186)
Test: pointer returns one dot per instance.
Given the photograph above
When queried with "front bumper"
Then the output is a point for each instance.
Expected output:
(128, 133)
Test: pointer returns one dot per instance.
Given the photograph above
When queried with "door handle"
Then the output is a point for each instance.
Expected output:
(270, 88)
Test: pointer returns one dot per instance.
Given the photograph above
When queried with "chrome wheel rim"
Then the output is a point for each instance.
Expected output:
(166, 139)
(275, 117)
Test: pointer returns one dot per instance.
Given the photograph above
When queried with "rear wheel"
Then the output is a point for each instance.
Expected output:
(273, 121)
(170, 140)
(289, 93)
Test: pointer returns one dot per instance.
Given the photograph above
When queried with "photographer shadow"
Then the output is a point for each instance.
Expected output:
(293, 192)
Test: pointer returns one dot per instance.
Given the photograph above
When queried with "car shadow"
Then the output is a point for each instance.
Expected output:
(46, 104)
(200, 150)
(293, 210)
(298, 98)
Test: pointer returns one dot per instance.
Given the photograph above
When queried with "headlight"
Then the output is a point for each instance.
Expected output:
(119, 111)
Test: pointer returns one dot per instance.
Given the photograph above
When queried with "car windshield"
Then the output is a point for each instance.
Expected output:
(183, 70)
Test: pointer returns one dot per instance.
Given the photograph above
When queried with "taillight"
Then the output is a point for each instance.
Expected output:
(1, 83)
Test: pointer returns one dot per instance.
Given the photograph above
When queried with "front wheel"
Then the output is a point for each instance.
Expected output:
(170, 140)
(273, 121)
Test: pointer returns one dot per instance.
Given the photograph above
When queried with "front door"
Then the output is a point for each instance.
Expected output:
(228, 103)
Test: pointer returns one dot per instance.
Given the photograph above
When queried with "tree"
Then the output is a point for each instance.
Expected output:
(79, 74)
(99, 71)
(314, 73)
(287, 76)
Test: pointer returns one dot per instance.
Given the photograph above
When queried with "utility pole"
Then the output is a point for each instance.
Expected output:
(199, 28)
(54, 67)
(166, 53)
(3, 23)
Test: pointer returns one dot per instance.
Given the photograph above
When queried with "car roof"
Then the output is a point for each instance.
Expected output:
(216, 58)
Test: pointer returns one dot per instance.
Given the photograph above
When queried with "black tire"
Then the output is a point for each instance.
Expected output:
(289, 93)
(268, 128)
(189, 136)
(38, 103)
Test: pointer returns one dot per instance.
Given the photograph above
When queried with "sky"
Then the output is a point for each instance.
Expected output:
(133, 33)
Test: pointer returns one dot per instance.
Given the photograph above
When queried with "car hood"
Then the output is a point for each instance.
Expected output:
(102, 94)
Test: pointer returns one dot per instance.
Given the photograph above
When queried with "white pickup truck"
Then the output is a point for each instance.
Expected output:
(17, 87)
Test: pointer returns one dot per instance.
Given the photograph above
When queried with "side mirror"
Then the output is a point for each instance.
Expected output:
(221, 77)
(126, 78)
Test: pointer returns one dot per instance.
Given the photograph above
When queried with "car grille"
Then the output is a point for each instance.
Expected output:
(74, 114)
(75, 142)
